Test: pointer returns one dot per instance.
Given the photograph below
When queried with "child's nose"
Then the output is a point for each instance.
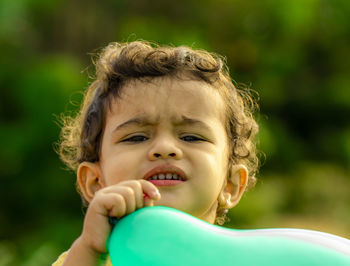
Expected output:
(164, 149)
(158, 155)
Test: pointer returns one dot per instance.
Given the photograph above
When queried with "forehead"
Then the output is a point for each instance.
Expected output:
(168, 98)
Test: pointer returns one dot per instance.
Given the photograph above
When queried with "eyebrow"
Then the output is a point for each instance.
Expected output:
(186, 121)
(137, 121)
(144, 121)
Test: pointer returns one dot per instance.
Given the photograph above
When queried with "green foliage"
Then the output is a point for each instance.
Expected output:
(294, 53)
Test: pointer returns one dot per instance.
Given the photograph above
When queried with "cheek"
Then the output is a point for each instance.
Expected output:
(211, 171)
(120, 167)
(215, 156)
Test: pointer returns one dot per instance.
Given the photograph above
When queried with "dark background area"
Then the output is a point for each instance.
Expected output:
(294, 54)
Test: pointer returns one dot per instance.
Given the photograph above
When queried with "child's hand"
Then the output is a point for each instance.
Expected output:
(114, 201)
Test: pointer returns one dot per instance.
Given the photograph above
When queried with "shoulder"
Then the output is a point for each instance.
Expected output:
(63, 256)
(60, 259)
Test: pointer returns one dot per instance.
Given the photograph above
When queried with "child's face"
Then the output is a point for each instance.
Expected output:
(168, 122)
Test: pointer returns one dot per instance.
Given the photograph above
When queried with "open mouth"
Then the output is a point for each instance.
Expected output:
(166, 175)
(166, 179)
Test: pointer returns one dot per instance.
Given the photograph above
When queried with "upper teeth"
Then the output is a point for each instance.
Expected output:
(167, 176)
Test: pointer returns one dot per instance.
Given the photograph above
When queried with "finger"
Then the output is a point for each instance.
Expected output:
(126, 191)
(129, 197)
(118, 205)
(147, 188)
(150, 190)
(137, 187)
(108, 204)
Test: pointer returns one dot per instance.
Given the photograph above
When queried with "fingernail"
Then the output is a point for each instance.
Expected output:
(156, 194)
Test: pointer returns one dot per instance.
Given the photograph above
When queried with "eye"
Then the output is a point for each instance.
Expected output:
(135, 139)
(191, 138)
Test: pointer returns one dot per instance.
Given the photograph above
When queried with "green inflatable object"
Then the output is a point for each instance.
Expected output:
(162, 236)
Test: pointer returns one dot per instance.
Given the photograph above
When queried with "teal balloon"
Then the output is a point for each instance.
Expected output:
(162, 236)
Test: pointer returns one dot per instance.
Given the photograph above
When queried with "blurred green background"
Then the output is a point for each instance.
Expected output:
(295, 54)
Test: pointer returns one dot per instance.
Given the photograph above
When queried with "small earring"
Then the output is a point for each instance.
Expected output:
(222, 199)
(227, 201)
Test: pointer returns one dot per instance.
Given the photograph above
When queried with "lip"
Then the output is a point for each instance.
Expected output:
(164, 169)
(162, 183)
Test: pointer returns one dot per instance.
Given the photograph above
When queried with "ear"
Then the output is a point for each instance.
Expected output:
(234, 187)
(89, 179)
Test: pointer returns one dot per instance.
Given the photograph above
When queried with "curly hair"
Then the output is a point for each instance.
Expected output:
(119, 63)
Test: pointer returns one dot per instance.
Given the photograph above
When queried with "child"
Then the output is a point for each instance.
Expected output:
(159, 126)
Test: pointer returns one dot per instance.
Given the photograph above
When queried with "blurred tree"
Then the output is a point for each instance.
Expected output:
(294, 53)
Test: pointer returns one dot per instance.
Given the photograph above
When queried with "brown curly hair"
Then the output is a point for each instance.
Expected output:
(119, 63)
